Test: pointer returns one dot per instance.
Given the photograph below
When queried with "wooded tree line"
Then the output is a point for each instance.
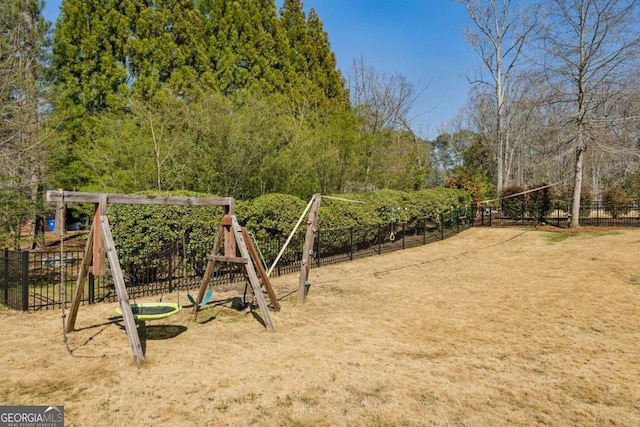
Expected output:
(557, 95)
(241, 98)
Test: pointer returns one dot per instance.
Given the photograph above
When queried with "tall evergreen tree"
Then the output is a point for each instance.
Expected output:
(125, 66)
(321, 62)
(89, 51)
(166, 47)
(315, 76)
(241, 36)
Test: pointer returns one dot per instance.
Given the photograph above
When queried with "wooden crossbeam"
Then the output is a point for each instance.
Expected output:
(139, 199)
(235, 259)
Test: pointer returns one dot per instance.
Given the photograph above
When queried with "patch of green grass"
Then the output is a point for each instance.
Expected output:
(565, 235)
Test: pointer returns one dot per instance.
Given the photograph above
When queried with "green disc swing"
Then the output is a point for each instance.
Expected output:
(143, 311)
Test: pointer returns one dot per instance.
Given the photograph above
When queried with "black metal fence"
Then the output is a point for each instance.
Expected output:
(44, 280)
(596, 214)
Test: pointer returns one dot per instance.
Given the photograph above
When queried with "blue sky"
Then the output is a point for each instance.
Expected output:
(420, 39)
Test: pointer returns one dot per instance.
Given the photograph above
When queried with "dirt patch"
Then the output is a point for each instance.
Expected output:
(490, 327)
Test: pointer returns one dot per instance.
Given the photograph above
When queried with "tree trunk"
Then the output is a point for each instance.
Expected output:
(577, 187)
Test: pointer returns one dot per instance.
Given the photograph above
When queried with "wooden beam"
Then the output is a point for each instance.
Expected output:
(255, 257)
(80, 281)
(251, 274)
(307, 249)
(98, 246)
(121, 291)
(204, 284)
(229, 242)
(60, 217)
(236, 259)
(139, 199)
(293, 232)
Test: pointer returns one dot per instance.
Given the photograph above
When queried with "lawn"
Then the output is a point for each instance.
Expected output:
(492, 327)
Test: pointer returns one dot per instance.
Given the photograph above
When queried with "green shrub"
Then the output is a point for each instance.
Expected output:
(141, 232)
(533, 203)
(271, 215)
(586, 202)
(559, 204)
(15, 208)
(538, 203)
(615, 201)
(376, 208)
(513, 206)
(631, 186)
(431, 203)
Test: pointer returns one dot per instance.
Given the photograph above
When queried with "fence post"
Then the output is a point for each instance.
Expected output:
(457, 220)
(318, 242)
(25, 280)
(379, 239)
(5, 276)
(404, 231)
(92, 288)
(424, 231)
(351, 243)
(279, 264)
(442, 226)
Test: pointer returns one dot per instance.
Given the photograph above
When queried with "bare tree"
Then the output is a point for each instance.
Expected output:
(383, 105)
(22, 42)
(588, 48)
(499, 37)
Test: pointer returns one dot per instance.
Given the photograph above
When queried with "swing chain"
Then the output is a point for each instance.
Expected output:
(392, 234)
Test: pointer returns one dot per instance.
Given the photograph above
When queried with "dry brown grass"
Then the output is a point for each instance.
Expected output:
(493, 327)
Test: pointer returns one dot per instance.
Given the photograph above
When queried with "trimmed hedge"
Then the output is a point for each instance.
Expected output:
(142, 231)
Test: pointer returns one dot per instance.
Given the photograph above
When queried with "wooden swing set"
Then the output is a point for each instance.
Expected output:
(232, 239)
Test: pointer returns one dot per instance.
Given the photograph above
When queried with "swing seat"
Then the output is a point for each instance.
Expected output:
(204, 301)
(152, 311)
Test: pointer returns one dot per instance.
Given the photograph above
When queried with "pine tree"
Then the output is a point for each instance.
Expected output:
(322, 62)
(89, 52)
(294, 27)
(166, 47)
(242, 36)
(114, 61)
(315, 78)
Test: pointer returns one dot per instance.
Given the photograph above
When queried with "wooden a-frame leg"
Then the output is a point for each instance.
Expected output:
(208, 270)
(251, 273)
(80, 281)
